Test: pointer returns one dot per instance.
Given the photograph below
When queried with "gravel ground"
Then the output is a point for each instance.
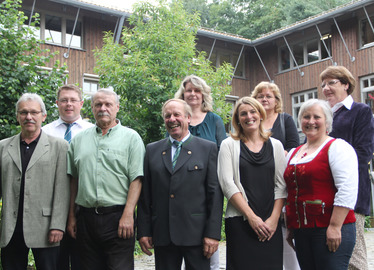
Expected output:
(145, 262)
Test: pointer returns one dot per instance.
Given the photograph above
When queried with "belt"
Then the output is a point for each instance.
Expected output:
(102, 210)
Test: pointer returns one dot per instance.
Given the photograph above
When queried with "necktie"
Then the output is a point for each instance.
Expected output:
(178, 145)
(67, 135)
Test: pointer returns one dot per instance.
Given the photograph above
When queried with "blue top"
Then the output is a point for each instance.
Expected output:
(211, 129)
(356, 126)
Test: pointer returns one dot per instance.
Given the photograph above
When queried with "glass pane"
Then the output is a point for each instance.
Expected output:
(312, 50)
(315, 94)
(35, 27)
(224, 59)
(77, 38)
(310, 95)
(369, 100)
(372, 81)
(366, 83)
(302, 99)
(240, 68)
(296, 99)
(327, 39)
(285, 59)
(298, 52)
(367, 35)
(53, 29)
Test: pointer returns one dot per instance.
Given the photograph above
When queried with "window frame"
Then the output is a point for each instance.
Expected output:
(65, 37)
(361, 33)
(304, 45)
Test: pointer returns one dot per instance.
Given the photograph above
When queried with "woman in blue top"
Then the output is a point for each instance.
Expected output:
(204, 123)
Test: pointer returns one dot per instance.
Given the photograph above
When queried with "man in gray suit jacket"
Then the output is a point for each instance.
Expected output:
(34, 189)
(180, 208)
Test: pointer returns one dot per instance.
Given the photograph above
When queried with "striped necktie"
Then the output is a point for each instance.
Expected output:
(178, 145)
(67, 135)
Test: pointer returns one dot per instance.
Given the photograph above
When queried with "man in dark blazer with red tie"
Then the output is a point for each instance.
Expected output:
(180, 207)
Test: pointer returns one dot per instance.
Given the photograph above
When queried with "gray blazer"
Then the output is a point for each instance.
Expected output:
(46, 198)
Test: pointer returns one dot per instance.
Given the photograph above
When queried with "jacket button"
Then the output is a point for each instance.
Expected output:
(196, 167)
(172, 196)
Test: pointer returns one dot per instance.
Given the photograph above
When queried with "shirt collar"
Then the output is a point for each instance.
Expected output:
(347, 102)
(78, 121)
(183, 140)
(99, 130)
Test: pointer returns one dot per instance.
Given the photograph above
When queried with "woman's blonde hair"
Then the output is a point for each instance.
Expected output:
(239, 133)
(275, 89)
(199, 83)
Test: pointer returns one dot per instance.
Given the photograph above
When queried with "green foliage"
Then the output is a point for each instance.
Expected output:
(252, 18)
(21, 60)
(147, 67)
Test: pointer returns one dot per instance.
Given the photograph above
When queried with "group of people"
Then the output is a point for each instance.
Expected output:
(70, 188)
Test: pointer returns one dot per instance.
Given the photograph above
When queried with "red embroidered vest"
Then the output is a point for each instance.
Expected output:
(311, 192)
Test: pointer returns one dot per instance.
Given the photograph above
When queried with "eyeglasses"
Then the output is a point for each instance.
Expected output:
(66, 101)
(263, 97)
(25, 113)
(330, 83)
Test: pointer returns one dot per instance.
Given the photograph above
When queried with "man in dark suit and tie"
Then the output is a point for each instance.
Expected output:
(180, 208)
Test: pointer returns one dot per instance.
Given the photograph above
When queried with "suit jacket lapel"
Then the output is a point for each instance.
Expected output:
(41, 148)
(14, 151)
(166, 155)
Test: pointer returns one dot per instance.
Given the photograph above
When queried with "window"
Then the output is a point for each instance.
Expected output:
(367, 91)
(298, 99)
(219, 57)
(58, 30)
(90, 84)
(304, 52)
(366, 33)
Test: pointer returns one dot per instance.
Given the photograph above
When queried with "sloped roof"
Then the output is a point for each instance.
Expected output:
(104, 7)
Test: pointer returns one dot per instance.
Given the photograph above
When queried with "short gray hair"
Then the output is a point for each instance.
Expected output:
(187, 108)
(106, 91)
(31, 97)
(325, 108)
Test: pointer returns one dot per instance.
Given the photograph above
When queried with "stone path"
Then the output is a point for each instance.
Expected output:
(145, 262)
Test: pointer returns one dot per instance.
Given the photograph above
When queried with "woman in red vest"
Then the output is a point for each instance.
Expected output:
(322, 184)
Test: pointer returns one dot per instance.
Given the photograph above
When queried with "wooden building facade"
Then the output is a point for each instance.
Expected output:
(292, 57)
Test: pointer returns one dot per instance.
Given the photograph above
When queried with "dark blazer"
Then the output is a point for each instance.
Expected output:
(185, 205)
(47, 193)
(356, 126)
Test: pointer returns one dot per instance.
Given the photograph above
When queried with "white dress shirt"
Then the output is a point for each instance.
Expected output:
(58, 129)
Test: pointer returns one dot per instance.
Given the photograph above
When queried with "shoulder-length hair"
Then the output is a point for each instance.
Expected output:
(276, 92)
(239, 133)
(199, 83)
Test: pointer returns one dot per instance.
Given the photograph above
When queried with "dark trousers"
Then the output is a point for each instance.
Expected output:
(99, 246)
(15, 255)
(312, 251)
(68, 258)
(170, 258)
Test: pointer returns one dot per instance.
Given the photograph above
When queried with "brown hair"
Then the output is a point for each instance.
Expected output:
(342, 74)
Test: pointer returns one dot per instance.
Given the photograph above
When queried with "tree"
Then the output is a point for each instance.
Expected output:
(21, 60)
(252, 18)
(147, 67)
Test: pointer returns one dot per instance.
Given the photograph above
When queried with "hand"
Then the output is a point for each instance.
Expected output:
(260, 227)
(290, 238)
(272, 224)
(55, 236)
(146, 243)
(126, 226)
(210, 246)
(72, 227)
(333, 238)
